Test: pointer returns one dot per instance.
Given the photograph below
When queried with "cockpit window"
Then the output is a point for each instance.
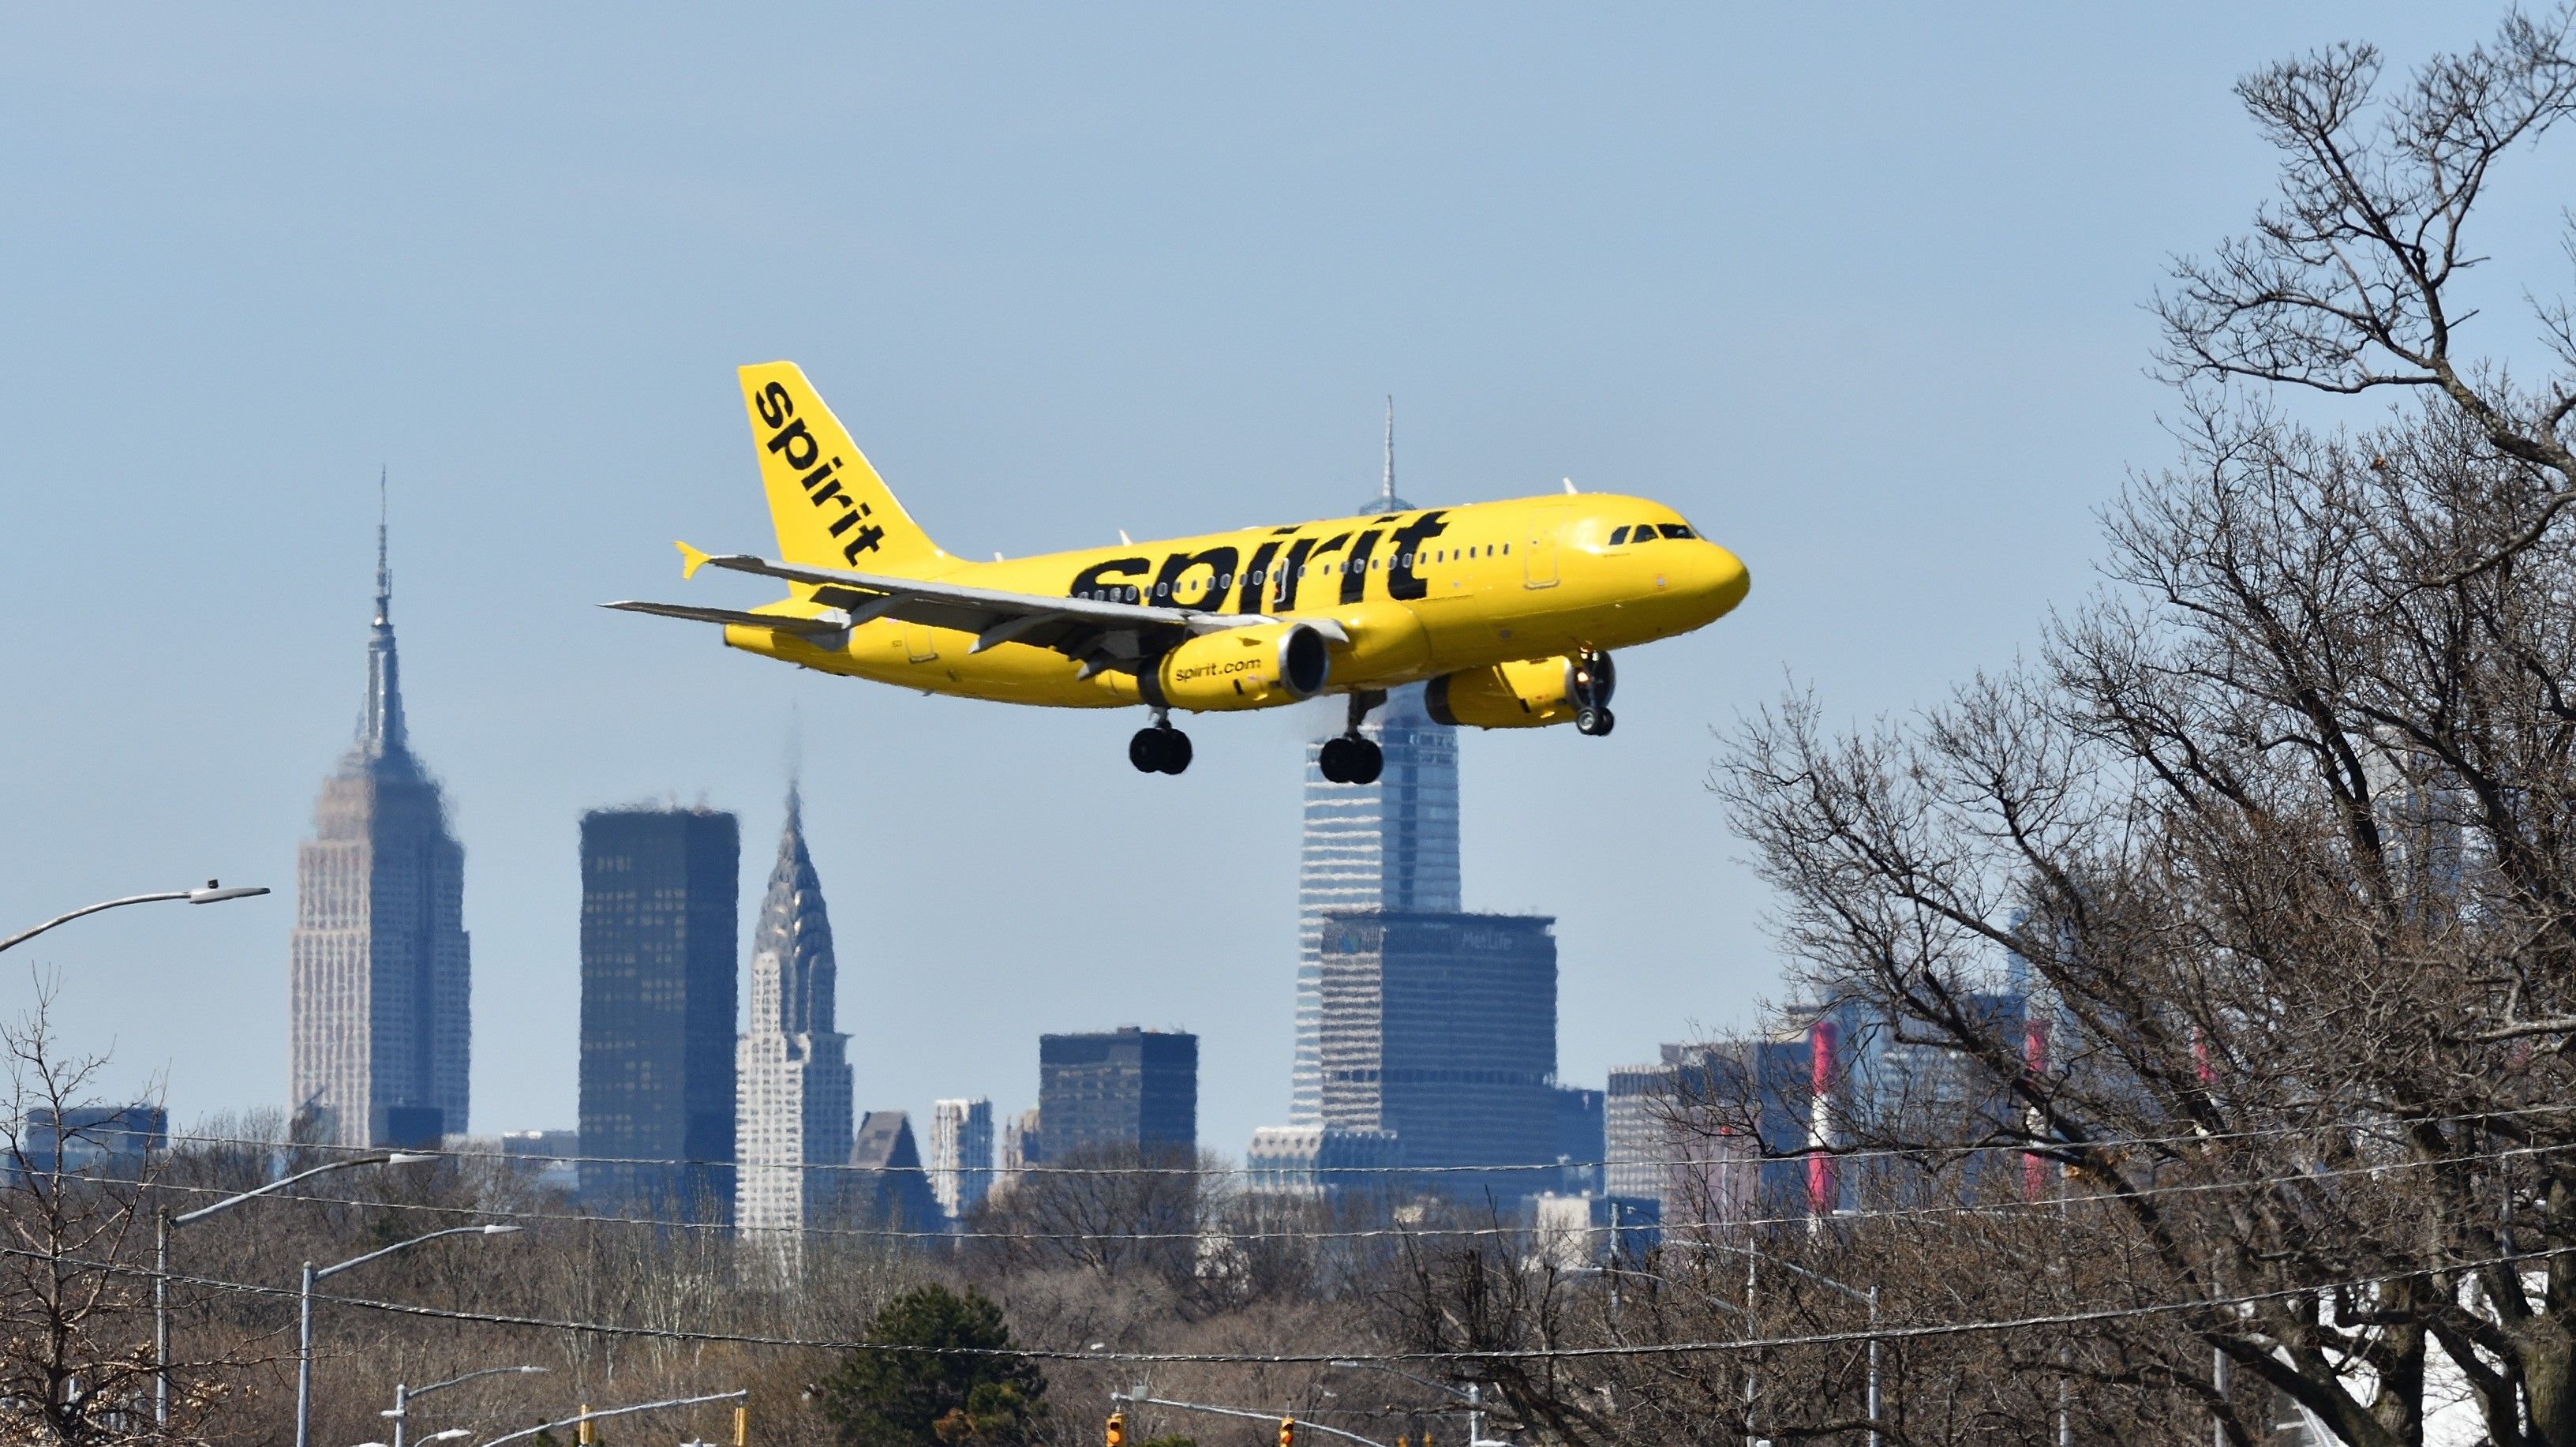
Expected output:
(1618, 536)
(1676, 530)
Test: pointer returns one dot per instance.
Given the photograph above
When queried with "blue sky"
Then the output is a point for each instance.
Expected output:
(1858, 291)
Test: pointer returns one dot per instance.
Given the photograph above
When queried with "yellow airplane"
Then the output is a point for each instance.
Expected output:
(1508, 611)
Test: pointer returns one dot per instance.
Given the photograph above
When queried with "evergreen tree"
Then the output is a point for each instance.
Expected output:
(881, 1398)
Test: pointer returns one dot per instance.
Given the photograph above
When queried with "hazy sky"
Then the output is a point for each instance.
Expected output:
(1858, 291)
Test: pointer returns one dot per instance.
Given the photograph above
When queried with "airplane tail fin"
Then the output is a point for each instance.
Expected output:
(830, 506)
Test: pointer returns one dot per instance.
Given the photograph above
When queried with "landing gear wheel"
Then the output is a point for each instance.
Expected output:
(1594, 721)
(1333, 761)
(1161, 749)
(1367, 761)
(1346, 760)
(1352, 758)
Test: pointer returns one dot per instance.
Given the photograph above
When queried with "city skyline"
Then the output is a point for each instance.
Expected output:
(2074, 957)
(1073, 313)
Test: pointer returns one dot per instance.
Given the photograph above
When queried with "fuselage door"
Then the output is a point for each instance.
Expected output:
(1538, 556)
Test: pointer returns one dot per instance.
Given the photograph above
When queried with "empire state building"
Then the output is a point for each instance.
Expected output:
(381, 990)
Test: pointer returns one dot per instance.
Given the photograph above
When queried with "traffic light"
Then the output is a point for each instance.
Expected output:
(1287, 1432)
(1117, 1429)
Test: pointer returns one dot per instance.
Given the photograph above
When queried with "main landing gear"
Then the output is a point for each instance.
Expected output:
(1161, 749)
(1349, 758)
(1594, 678)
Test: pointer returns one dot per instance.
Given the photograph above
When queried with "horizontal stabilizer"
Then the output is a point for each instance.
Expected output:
(830, 622)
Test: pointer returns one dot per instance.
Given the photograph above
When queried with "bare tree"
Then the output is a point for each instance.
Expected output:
(2220, 965)
(76, 1358)
(2350, 280)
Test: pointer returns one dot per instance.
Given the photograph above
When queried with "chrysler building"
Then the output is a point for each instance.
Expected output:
(792, 1099)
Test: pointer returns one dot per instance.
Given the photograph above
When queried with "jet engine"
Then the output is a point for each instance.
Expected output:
(1524, 695)
(1272, 663)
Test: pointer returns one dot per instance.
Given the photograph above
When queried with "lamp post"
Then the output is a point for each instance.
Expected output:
(403, 1398)
(161, 1259)
(213, 893)
(304, 1316)
(1869, 1295)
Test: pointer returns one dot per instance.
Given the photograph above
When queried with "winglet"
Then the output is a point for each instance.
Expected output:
(690, 561)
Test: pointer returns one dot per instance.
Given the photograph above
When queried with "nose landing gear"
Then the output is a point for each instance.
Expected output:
(1594, 679)
(1349, 758)
(1161, 749)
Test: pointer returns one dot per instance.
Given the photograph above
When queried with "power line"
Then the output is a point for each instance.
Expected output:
(1650, 1349)
(2038, 1205)
(2045, 1148)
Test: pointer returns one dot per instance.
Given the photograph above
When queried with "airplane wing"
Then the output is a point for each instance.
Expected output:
(1095, 633)
(827, 623)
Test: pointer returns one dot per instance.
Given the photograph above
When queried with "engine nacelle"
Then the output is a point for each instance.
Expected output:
(1273, 663)
(1523, 695)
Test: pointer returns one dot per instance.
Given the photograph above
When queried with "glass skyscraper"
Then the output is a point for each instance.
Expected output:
(1388, 845)
(1440, 1029)
(1391, 845)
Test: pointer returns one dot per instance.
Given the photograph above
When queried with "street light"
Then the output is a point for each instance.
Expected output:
(213, 893)
(403, 1396)
(161, 1256)
(304, 1315)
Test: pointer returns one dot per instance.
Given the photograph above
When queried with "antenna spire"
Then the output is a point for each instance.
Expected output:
(1386, 501)
(384, 571)
(1386, 490)
(380, 721)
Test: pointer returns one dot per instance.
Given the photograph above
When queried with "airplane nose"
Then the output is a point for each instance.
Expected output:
(1724, 580)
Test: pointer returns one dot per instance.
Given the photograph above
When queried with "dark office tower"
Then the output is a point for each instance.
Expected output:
(1441, 1028)
(658, 980)
(1123, 1089)
(379, 987)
